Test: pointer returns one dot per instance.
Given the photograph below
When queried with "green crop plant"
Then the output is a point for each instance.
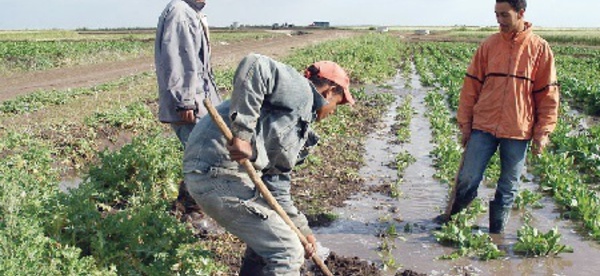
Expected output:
(532, 242)
(136, 116)
(387, 245)
(404, 114)
(567, 172)
(402, 161)
(119, 214)
(367, 59)
(28, 184)
(461, 232)
(527, 198)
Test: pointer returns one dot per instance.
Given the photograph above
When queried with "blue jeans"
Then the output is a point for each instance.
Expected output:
(480, 148)
(231, 199)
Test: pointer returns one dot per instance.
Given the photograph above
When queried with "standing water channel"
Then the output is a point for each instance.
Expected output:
(357, 231)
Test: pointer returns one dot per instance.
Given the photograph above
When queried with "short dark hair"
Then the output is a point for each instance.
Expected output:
(517, 5)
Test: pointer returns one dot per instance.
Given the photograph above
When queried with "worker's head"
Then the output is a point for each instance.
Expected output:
(510, 15)
(332, 82)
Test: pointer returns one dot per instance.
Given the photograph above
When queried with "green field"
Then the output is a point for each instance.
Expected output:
(118, 221)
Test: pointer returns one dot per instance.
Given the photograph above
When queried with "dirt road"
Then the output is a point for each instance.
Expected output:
(223, 55)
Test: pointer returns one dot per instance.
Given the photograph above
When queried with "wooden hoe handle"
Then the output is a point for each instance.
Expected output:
(452, 198)
(261, 186)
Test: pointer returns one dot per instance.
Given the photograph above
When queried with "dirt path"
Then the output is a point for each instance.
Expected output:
(224, 55)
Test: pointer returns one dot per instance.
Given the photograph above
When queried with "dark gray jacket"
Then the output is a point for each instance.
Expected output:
(182, 59)
(272, 105)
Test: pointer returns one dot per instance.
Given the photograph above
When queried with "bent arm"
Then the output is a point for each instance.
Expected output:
(546, 95)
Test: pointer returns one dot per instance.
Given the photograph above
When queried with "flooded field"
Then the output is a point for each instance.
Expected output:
(358, 231)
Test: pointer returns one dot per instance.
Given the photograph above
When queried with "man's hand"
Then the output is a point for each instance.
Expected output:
(466, 135)
(187, 116)
(311, 247)
(239, 149)
(539, 144)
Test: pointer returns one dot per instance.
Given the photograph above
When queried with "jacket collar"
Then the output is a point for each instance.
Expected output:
(318, 99)
(193, 5)
(520, 35)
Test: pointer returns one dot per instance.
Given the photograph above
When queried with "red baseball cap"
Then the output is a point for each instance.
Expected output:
(335, 73)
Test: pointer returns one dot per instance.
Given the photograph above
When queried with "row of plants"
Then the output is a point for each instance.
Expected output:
(116, 221)
(582, 37)
(38, 100)
(567, 172)
(18, 56)
(39, 50)
(577, 73)
(401, 131)
(342, 133)
(367, 59)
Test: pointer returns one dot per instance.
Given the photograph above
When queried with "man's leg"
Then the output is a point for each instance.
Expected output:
(480, 148)
(253, 264)
(232, 201)
(183, 132)
(184, 200)
(512, 160)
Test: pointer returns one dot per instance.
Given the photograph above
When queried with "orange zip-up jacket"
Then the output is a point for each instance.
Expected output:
(510, 89)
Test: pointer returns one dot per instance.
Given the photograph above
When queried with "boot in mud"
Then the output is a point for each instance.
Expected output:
(185, 203)
(457, 206)
(498, 217)
(252, 264)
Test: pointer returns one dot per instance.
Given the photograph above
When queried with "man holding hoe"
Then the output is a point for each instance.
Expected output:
(269, 113)
(509, 98)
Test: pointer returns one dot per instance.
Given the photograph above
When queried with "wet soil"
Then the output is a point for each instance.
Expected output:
(316, 193)
(380, 229)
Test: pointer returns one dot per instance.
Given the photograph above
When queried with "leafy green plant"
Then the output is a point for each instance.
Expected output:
(387, 245)
(148, 168)
(527, 198)
(461, 232)
(532, 242)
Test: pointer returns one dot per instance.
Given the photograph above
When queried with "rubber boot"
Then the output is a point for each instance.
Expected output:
(185, 200)
(498, 217)
(457, 206)
(252, 264)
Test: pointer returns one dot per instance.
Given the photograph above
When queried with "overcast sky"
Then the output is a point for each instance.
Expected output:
(71, 14)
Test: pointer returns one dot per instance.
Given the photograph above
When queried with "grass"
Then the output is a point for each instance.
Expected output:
(583, 36)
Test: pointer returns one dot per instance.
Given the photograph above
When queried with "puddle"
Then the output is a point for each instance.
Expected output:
(69, 183)
(356, 231)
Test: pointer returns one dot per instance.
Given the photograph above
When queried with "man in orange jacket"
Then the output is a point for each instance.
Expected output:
(509, 98)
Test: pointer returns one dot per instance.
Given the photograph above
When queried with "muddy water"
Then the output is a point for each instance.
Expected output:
(69, 183)
(369, 214)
